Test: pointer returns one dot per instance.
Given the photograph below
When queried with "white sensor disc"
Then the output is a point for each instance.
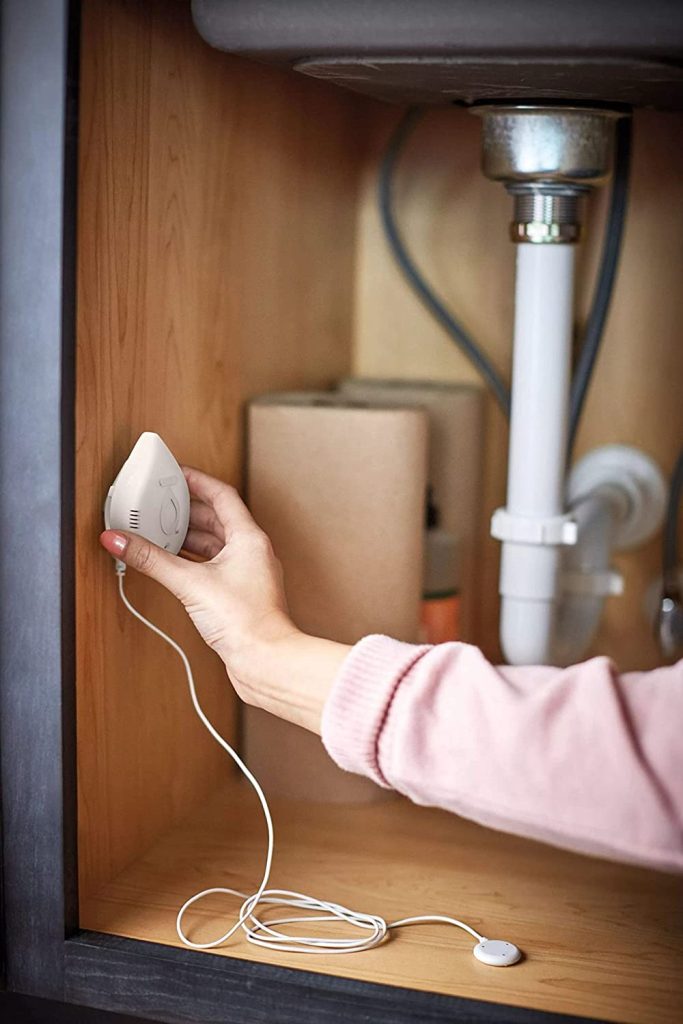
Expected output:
(497, 953)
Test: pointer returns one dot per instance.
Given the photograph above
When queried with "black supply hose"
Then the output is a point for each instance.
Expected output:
(597, 317)
(670, 549)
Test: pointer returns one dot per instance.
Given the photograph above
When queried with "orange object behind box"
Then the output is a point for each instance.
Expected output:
(440, 617)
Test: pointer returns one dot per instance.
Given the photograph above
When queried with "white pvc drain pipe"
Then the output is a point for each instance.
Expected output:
(533, 525)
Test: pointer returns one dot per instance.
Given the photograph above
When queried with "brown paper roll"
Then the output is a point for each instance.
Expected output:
(339, 486)
(456, 453)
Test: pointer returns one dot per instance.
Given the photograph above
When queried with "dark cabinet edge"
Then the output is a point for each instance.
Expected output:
(177, 985)
(38, 89)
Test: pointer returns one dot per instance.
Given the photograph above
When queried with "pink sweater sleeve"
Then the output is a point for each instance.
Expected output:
(580, 757)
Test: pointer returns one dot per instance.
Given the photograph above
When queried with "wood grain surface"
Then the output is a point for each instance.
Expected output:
(455, 223)
(215, 228)
(600, 940)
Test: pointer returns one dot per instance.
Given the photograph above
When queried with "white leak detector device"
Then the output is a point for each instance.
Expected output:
(150, 495)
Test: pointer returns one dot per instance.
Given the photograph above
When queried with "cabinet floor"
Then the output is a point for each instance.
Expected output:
(600, 939)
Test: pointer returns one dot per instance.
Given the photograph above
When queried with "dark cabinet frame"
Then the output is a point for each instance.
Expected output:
(44, 952)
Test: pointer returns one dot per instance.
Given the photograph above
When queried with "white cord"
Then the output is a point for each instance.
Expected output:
(267, 933)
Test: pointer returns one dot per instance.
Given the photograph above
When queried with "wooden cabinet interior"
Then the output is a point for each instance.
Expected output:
(217, 204)
(228, 245)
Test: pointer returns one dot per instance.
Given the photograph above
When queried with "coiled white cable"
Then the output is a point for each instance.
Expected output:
(268, 933)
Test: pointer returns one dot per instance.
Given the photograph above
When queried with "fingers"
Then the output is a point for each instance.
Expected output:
(205, 520)
(229, 508)
(201, 543)
(147, 558)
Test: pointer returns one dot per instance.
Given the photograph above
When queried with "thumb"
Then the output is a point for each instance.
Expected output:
(145, 557)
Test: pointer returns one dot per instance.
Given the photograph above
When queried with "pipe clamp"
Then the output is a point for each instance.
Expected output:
(549, 531)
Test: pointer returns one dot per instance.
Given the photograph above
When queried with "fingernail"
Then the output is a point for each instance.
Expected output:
(119, 543)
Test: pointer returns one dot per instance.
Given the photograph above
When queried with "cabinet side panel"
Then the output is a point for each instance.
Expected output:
(215, 250)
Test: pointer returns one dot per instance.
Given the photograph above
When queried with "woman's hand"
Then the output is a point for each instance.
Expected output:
(236, 599)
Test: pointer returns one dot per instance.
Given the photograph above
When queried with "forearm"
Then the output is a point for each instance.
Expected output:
(290, 677)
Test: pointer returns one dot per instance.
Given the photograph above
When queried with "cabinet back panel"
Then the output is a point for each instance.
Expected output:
(215, 250)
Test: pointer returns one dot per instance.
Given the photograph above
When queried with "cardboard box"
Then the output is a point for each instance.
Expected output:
(339, 486)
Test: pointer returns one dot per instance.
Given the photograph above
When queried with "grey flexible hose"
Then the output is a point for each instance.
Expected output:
(462, 338)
